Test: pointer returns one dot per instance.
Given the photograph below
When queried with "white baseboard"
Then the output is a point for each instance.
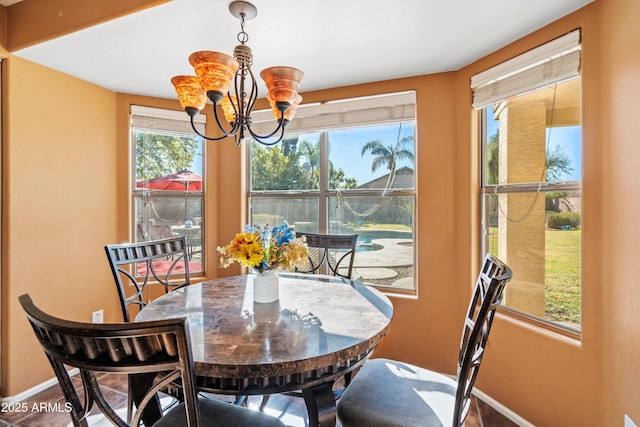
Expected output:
(502, 409)
(34, 390)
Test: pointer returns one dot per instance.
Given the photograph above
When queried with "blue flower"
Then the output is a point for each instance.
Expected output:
(283, 234)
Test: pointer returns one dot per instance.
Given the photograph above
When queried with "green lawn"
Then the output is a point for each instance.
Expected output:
(562, 274)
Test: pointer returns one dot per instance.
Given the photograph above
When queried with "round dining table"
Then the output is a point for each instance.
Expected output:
(320, 329)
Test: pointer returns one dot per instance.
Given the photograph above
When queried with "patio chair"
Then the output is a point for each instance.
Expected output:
(135, 266)
(391, 393)
(132, 348)
(330, 254)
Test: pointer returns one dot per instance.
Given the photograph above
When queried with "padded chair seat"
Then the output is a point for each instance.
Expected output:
(216, 413)
(390, 393)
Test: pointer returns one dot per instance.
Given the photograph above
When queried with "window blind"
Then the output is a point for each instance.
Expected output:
(165, 120)
(546, 65)
(342, 113)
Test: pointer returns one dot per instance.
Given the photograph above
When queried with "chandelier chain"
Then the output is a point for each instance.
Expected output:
(243, 37)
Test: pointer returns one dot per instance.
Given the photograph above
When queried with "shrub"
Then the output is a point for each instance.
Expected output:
(563, 220)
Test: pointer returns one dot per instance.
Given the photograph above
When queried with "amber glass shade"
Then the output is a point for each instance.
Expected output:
(227, 108)
(190, 94)
(282, 83)
(290, 113)
(215, 70)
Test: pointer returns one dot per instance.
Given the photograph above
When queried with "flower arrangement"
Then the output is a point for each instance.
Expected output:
(262, 248)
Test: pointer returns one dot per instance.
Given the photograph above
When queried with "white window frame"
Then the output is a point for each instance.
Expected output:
(171, 121)
(555, 62)
(335, 115)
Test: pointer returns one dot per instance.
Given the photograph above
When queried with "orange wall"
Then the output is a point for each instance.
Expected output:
(528, 367)
(548, 378)
(616, 176)
(58, 210)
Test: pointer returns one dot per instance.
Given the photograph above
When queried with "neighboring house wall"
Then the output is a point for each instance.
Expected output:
(403, 179)
(572, 202)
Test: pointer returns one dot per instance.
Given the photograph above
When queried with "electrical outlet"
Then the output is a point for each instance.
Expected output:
(628, 422)
(97, 316)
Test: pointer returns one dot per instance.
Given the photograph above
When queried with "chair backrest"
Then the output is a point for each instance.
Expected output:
(330, 253)
(159, 346)
(487, 295)
(137, 265)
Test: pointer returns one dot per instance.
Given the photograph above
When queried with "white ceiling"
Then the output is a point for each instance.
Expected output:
(335, 42)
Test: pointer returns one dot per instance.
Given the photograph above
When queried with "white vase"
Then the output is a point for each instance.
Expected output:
(266, 286)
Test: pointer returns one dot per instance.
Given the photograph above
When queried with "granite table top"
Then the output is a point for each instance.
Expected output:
(319, 329)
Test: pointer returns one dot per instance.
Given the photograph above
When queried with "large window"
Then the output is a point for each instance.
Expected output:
(346, 167)
(168, 187)
(532, 179)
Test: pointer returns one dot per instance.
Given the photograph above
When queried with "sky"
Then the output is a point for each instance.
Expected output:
(346, 149)
(568, 136)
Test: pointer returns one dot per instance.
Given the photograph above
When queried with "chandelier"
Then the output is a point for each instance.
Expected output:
(218, 73)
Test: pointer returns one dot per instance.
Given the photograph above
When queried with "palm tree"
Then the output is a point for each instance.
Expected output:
(389, 155)
(311, 167)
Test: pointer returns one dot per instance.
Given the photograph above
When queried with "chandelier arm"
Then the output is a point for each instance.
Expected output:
(261, 139)
(241, 112)
(245, 101)
(279, 128)
(204, 136)
(234, 128)
(235, 110)
(253, 95)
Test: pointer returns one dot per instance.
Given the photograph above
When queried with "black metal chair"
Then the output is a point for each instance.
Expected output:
(390, 393)
(331, 254)
(137, 349)
(137, 265)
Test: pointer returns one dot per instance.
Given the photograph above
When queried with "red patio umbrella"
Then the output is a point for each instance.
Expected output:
(181, 181)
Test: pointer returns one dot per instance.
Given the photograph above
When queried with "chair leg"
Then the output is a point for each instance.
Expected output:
(265, 401)
(129, 400)
(129, 408)
(347, 379)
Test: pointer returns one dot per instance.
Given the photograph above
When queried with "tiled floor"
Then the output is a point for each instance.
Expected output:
(47, 408)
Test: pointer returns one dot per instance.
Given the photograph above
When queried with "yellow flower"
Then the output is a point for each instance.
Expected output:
(296, 253)
(250, 253)
(264, 248)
